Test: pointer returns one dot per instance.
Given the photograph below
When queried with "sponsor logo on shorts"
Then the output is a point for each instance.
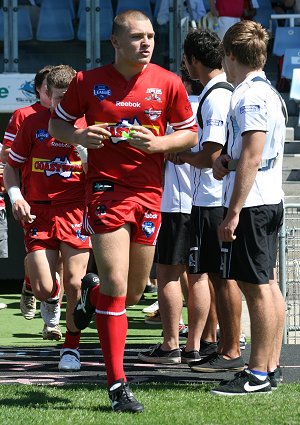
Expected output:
(150, 215)
(33, 231)
(80, 236)
(249, 108)
(101, 91)
(153, 114)
(214, 123)
(103, 186)
(153, 94)
(42, 135)
(100, 210)
(148, 228)
(128, 104)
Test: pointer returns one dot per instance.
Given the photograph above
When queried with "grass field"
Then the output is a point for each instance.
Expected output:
(166, 403)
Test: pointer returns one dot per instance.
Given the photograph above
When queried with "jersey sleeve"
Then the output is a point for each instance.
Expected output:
(21, 147)
(71, 106)
(214, 115)
(180, 112)
(12, 128)
(251, 112)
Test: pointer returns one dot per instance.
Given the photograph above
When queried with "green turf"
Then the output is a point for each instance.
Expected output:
(164, 404)
(19, 332)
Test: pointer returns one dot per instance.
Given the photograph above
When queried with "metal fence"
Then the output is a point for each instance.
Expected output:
(289, 271)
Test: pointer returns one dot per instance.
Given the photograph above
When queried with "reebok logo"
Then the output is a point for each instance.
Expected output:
(252, 388)
(149, 215)
(129, 104)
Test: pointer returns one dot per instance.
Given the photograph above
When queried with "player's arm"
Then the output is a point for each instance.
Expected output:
(252, 148)
(20, 208)
(204, 158)
(4, 153)
(143, 139)
(91, 137)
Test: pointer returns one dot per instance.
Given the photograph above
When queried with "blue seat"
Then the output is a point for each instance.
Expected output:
(54, 25)
(59, 4)
(142, 5)
(24, 25)
(106, 20)
(286, 38)
(290, 62)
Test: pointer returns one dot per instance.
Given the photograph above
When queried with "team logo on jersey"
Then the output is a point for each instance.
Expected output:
(249, 108)
(153, 94)
(148, 228)
(153, 114)
(80, 236)
(214, 123)
(100, 210)
(61, 166)
(42, 135)
(33, 231)
(27, 89)
(101, 91)
(121, 131)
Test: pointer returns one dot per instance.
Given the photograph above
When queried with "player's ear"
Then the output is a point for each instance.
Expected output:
(114, 41)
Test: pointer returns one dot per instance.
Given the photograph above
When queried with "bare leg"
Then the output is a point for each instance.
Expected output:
(170, 302)
(229, 306)
(198, 308)
(262, 311)
(210, 329)
(41, 270)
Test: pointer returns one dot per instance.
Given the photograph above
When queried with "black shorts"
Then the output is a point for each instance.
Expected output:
(252, 256)
(205, 246)
(172, 245)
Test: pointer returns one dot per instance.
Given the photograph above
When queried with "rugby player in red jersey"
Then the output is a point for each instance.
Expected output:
(127, 105)
(50, 208)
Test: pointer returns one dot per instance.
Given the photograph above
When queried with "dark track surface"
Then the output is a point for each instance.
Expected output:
(39, 366)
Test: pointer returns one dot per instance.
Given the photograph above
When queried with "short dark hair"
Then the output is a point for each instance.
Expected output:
(60, 77)
(204, 45)
(39, 78)
(196, 86)
(120, 21)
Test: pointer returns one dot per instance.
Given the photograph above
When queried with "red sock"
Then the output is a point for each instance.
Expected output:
(56, 289)
(71, 340)
(94, 294)
(27, 284)
(112, 328)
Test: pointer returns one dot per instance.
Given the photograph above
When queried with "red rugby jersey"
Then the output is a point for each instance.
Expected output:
(152, 99)
(51, 170)
(16, 120)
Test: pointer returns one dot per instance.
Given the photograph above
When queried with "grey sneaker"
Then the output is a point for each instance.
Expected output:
(158, 356)
(217, 363)
(52, 332)
(27, 304)
(50, 311)
(189, 357)
(69, 360)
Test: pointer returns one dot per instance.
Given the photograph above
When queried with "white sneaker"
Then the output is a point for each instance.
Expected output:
(2, 306)
(50, 311)
(151, 309)
(27, 303)
(69, 360)
(52, 332)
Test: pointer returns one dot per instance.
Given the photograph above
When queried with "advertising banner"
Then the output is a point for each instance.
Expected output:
(16, 91)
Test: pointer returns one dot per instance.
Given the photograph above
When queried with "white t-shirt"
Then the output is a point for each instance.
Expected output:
(177, 196)
(255, 106)
(207, 191)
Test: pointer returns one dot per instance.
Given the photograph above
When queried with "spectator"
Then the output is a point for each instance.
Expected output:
(228, 13)
(253, 200)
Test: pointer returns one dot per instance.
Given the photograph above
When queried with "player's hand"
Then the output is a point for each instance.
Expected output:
(143, 139)
(93, 136)
(220, 165)
(21, 211)
(227, 228)
(173, 157)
